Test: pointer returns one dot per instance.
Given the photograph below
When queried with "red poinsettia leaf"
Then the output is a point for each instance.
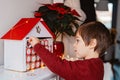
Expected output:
(74, 12)
(37, 14)
(61, 11)
(58, 4)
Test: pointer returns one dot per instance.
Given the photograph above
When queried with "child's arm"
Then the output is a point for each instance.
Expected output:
(54, 63)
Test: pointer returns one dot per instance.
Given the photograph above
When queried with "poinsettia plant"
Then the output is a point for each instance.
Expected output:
(59, 18)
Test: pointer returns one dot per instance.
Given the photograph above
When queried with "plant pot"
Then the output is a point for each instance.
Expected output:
(58, 48)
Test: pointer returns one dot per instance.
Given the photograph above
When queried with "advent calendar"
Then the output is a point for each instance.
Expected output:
(18, 53)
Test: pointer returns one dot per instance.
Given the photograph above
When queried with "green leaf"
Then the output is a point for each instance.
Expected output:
(43, 9)
(75, 24)
(70, 32)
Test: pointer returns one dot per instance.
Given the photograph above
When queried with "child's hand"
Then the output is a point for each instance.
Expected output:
(33, 41)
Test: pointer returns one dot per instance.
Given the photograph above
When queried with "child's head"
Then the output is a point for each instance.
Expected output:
(95, 36)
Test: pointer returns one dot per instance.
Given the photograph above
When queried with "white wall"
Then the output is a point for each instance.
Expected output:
(11, 11)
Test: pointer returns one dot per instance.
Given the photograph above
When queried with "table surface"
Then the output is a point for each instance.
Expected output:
(37, 74)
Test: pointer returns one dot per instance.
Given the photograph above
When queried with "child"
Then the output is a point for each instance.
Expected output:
(92, 39)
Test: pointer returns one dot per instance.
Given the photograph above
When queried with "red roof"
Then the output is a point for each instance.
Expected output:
(23, 27)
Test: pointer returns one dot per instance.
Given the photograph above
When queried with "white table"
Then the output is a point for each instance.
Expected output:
(37, 74)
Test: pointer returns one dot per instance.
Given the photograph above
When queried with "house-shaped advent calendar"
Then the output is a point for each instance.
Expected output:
(18, 54)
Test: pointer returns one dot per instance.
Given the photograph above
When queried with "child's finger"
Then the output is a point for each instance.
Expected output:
(30, 39)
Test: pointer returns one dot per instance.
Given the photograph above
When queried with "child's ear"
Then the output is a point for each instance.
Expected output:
(93, 43)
